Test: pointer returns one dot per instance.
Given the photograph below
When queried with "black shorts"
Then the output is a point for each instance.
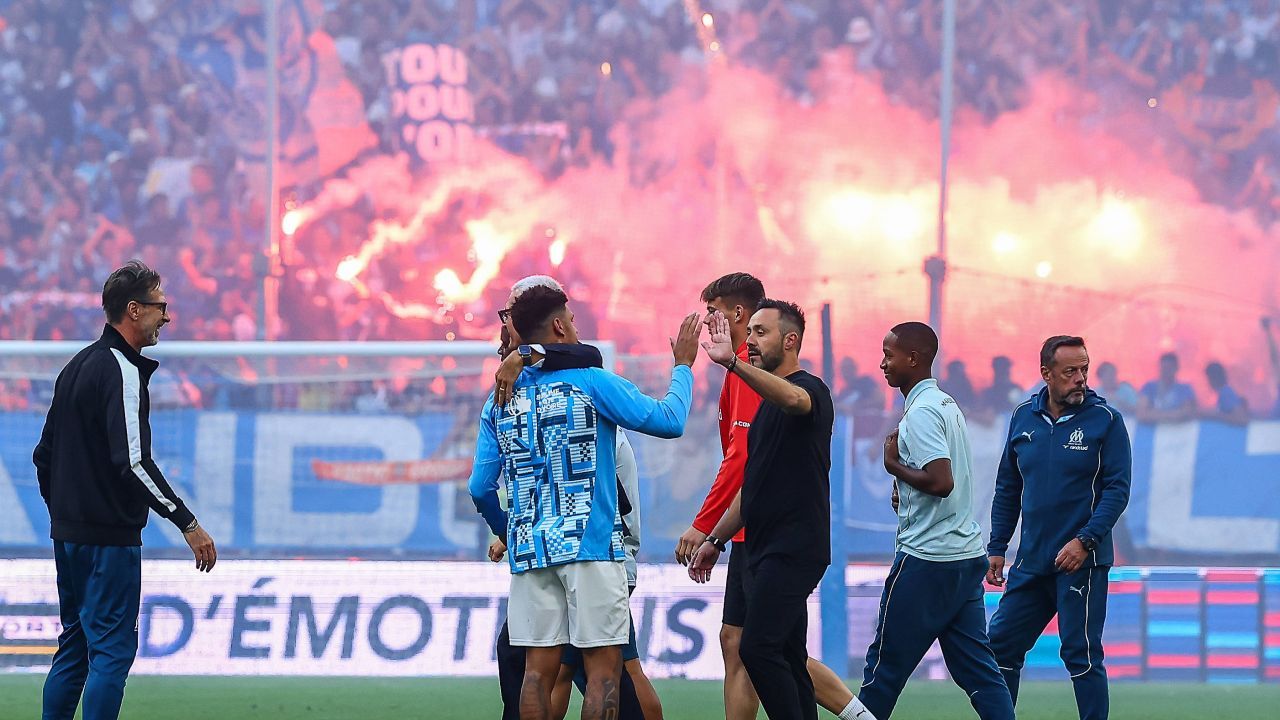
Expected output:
(735, 586)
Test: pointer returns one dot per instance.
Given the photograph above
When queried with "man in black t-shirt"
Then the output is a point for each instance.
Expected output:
(785, 499)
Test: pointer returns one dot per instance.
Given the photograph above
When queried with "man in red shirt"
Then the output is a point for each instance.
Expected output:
(735, 296)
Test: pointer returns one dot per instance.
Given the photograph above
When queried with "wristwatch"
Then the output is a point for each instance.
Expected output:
(526, 354)
(716, 543)
(1089, 543)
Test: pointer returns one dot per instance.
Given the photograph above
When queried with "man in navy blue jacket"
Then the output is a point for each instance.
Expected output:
(1066, 469)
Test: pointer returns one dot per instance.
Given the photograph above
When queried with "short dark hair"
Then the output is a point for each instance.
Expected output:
(788, 312)
(743, 288)
(1215, 371)
(134, 281)
(917, 336)
(534, 307)
(1050, 347)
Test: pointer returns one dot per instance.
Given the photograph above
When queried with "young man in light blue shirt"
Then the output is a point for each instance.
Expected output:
(554, 441)
(934, 589)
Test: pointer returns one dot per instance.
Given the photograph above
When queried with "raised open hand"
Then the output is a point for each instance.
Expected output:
(719, 345)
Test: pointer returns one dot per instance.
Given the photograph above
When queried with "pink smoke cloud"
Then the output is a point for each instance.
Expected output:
(1066, 216)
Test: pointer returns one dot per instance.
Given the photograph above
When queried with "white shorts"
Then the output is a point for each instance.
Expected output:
(583, 604)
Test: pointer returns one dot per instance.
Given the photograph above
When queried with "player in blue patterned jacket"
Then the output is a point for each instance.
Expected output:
(554, 443)
(1066, 470)
(637, 699)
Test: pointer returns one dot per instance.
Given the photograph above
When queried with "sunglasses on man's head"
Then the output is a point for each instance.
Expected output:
(504, 314)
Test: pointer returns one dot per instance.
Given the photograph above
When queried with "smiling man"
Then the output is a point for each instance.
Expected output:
(97, 476)
(1066, 470)
(934, 589)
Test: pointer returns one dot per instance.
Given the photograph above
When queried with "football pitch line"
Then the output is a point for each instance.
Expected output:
(346, 698)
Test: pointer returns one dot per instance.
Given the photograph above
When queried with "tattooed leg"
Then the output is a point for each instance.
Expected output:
(541, 667)
(604, 674)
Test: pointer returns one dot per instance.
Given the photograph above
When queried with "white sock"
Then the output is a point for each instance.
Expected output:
(855, 710)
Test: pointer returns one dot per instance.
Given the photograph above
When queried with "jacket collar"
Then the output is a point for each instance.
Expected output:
(1040, 400)
(113, 339)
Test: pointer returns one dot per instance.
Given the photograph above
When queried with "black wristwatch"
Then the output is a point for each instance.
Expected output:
(1089, 543)
(526, 354)
(717, 543)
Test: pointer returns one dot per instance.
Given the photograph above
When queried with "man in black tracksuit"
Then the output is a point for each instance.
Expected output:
(97, 476)
(1066, 470)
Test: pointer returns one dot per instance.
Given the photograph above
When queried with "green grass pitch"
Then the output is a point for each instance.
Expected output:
(276, 698)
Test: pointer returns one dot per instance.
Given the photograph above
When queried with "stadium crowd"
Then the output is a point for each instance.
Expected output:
(541, 64)
(111, 147)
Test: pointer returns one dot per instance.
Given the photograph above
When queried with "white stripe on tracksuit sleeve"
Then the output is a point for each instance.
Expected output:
(132, 389)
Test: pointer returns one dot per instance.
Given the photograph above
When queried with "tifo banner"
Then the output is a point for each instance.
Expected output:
(307, 617)
(430, 102)
(322, 123)
(390, 485)
(1207, 488)
(1203, 492)
(265, 481)
(1224, 119)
